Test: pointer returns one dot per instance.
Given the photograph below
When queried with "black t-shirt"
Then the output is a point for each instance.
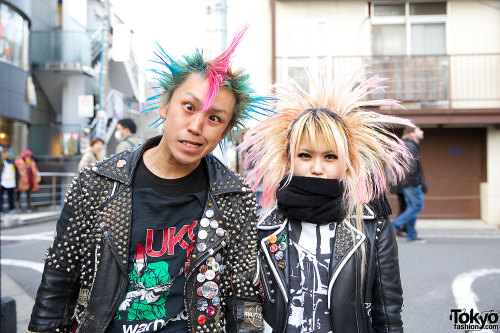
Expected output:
(165, 215)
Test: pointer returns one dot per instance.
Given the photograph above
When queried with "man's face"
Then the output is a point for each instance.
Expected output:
(418, 133)
(190, 133)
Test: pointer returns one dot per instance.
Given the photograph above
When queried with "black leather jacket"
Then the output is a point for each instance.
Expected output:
(374, 308)
(85, 274)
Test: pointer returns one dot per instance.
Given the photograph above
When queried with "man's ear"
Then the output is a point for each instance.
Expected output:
(162, 110)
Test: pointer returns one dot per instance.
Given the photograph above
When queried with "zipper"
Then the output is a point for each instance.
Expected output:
(265, 284)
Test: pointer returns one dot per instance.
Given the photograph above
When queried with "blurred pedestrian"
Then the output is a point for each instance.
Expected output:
(8, 179)
(413, 186)
(28, 176)
(92, 154)
(125, 132)
(327, 240)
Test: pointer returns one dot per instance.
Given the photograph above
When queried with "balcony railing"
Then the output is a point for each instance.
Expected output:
(425, 79)
(59, 49)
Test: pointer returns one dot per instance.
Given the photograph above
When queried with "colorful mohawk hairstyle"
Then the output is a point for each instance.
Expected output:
(219, 73)
(364, 144)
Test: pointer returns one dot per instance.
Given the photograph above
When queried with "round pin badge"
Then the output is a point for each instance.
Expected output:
(202, 234)
(209, 213)
(221, 269)
(218, 257)
(210, 289)
(202, 304)
(210, 261)
(216, 301)
(215, 267)
(200, 277)
(219, 232)
(273, 248)
(211, 311)
(202, 319)
(282, 264)
(205, 222)
(278, 255)
(198, 291)
(203, 269)
(201, 247)
(214, 224)
(209, 274)
(282, 246)
(272, 239)
(281, 238)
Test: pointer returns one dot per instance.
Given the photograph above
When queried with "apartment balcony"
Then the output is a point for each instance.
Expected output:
(448, 85)
(60, 50)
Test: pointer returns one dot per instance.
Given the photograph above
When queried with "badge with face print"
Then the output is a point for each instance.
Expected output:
(202, 304)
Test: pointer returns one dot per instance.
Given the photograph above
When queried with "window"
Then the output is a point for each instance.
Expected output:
(13, 37)
(409, 28)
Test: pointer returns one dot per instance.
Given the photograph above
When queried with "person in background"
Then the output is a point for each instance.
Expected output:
(125, 133)
(8, 179)
(28, 176)
(92, 154)
(413, 186)
(328, 252)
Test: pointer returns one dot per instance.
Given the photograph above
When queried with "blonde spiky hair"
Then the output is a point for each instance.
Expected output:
(361, 138)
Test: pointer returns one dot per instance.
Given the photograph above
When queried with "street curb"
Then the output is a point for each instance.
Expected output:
(16, 220)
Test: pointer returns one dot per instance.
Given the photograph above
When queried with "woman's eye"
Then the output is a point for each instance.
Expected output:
(189, 106)
(304, 155)
(331, 157)
(215, 118)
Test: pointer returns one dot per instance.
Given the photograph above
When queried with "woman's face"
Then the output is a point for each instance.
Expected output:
(323, 163)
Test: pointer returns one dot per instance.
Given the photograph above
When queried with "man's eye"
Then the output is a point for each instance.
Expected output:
(304, 155)
(215, 118)
(331, 157)
(189, 106)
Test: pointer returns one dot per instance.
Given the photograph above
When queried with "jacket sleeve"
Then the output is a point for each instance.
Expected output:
(245, 303)
(387, 292)
(57, 294)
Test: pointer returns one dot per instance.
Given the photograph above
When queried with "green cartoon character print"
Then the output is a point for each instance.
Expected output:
(146, 294)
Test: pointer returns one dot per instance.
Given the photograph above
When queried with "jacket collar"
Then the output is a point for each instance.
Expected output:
(121, 167)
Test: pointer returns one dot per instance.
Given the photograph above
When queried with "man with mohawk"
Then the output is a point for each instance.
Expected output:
(162, 238)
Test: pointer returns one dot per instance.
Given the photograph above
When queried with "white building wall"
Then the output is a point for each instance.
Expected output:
(490, 191)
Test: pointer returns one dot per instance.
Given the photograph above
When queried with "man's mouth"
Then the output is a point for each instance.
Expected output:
(191, 144)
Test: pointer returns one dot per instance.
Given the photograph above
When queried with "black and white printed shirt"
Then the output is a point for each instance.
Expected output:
(310, 248)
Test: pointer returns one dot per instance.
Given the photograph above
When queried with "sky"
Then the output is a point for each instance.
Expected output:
(178, 26)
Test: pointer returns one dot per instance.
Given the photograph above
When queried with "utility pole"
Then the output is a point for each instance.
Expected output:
(104, 75)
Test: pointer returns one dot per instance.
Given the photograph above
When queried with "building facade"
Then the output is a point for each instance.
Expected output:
(442, 60)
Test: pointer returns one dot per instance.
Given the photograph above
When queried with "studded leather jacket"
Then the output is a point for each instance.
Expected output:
(379, 307)
(85, 274)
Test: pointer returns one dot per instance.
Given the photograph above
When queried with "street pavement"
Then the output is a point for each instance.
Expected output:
(457, 267)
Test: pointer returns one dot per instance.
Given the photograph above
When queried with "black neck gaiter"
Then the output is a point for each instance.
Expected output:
(312, 199)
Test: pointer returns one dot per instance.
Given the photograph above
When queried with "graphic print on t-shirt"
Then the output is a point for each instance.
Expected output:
(150, 283)
(310, 250)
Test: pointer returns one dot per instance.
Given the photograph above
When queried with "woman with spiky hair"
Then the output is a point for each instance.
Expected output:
(328, 254)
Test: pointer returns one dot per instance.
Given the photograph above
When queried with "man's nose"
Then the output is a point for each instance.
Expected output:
(196, 123)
